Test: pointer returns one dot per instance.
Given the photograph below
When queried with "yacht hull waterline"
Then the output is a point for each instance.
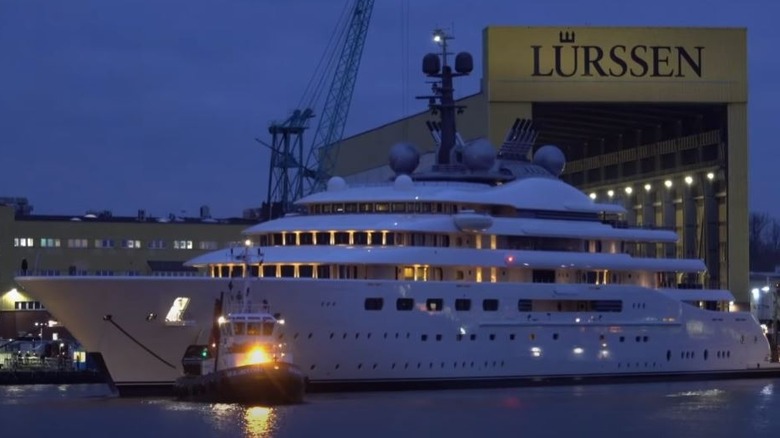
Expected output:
(339, 344)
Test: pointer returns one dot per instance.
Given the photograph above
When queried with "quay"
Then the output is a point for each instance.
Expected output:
(23, 368)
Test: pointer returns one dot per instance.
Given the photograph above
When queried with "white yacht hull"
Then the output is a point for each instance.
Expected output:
(335, 340)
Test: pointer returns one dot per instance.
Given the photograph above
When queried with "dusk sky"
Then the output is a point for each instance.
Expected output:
(155, 105)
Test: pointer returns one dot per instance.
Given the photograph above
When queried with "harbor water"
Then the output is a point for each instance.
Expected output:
(735, 408)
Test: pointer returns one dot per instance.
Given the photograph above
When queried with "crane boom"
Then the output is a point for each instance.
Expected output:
(330, 128)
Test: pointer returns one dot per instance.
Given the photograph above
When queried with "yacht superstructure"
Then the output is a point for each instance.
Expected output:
(485, 269)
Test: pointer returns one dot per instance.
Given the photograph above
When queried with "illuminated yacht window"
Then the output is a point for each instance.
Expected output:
(177, 313)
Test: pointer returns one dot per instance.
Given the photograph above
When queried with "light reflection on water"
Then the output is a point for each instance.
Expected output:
(712, 409)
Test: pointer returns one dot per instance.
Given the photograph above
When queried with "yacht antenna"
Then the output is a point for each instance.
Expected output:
(442, 101)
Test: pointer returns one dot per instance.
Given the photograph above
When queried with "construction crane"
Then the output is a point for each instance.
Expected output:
(290, 177)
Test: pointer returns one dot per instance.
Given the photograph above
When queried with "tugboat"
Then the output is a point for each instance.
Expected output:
(244, 364)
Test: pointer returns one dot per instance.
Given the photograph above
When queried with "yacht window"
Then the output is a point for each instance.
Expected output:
(224, 271)
(490, 305)
(374, 303)
(350, 208)
(444, 240)
(268, 328)
(413, 207)
(289, 239)
(382, 207)
(398, 207)
(389, 239)
(404, 304)
(341, 238)
(314, 209)
(323, 271)
(269, 270)
(425, 207)
(525, 305)
(418, 239)
(360, 238)
(263, 241)
(434, 304)
(462, 304)
(276, 239)
(327, 208)
(543, 276)
(238, 271)
(590, 277)
(306, 238)
(238, 328)
(366, 208)
(253, 328)
(306, 271)
(338, 208)
(254, 271)
(323, 238)
(288, 271)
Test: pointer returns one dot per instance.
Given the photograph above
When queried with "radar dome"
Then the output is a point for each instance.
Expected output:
(550, 158)
(404, 158)
(336, 183)
(479, 155)
(403, 182)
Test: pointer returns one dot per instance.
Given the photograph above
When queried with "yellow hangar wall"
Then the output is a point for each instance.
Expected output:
(528, 66)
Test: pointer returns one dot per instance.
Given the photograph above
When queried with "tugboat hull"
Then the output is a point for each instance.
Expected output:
(269, 383)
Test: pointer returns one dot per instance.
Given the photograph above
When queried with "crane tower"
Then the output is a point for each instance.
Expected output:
(295, 170)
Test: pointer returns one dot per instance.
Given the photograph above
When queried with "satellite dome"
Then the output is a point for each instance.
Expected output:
(479, 155)
(550, 158)
(336, 183)
(404, 158)
(403, 182)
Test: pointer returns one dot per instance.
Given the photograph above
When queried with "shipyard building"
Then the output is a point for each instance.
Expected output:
(96, 243)
(654, 119)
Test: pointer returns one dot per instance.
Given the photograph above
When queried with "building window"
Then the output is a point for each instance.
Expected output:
(182, 244)
(77, 243)
(207, 244)
(48, 242)
(156, 244)
(104, 243)
(23, 242)
(131, 244)
(28, 305)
